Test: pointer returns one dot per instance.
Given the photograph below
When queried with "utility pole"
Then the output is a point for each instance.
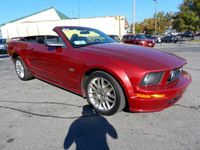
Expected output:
(119, 26)
(79, 13)
(155, 16)
(133, 26)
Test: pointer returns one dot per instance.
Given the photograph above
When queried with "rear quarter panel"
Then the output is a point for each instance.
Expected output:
(18, 48)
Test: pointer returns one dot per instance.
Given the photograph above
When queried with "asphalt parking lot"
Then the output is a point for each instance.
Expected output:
(35, 115)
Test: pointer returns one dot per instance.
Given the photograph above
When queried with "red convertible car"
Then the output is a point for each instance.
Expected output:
(109, 74)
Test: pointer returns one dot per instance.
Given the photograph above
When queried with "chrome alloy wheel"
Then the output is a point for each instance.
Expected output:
(19, 69)
(101, 94)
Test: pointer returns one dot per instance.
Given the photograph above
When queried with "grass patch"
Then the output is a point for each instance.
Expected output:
(196, 41)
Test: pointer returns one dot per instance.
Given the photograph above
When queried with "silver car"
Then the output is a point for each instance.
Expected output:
(3, 46)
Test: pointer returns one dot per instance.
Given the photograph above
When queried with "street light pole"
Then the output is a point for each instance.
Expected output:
(79, 13)
(133, 26)
(155, 16)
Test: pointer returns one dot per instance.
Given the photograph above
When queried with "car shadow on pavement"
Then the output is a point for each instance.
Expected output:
(89, 133)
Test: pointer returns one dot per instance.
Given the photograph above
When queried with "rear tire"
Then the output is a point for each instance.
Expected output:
(104, 93)
(22, 71)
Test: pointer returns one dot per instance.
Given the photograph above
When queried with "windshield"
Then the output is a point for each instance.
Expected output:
(140, 37)
(80, 36)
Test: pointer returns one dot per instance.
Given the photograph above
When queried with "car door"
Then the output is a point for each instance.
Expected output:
(47, 62)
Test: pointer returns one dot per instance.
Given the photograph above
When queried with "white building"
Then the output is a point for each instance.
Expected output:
(42, 23)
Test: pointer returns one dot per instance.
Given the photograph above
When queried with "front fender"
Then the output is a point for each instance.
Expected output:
(119, 74)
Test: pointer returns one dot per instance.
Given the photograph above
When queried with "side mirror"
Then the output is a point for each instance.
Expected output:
(53, 43)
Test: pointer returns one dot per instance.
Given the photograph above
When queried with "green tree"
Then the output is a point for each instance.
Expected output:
(147, 26)
(188, 18)
(138, 28)
(164, 21)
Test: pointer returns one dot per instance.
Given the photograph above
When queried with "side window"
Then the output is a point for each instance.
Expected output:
(31, 39)
(40, 39)
(125, 37)
(132, 37)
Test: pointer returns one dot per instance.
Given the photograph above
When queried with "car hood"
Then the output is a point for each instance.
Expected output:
(147, 58)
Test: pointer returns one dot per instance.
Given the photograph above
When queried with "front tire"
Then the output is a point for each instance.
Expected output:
(22, 71)
(104, 93)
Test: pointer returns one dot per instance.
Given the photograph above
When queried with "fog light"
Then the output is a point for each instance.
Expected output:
(147, 96)
(143, 96)
(158, 95)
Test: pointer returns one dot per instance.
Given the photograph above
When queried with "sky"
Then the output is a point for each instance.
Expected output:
(14, 9)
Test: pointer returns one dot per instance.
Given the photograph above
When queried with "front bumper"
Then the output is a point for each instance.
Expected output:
(172, 93)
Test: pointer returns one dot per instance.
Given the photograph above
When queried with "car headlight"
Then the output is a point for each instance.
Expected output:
(152, 78)
(142, 42)
(174, 74)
